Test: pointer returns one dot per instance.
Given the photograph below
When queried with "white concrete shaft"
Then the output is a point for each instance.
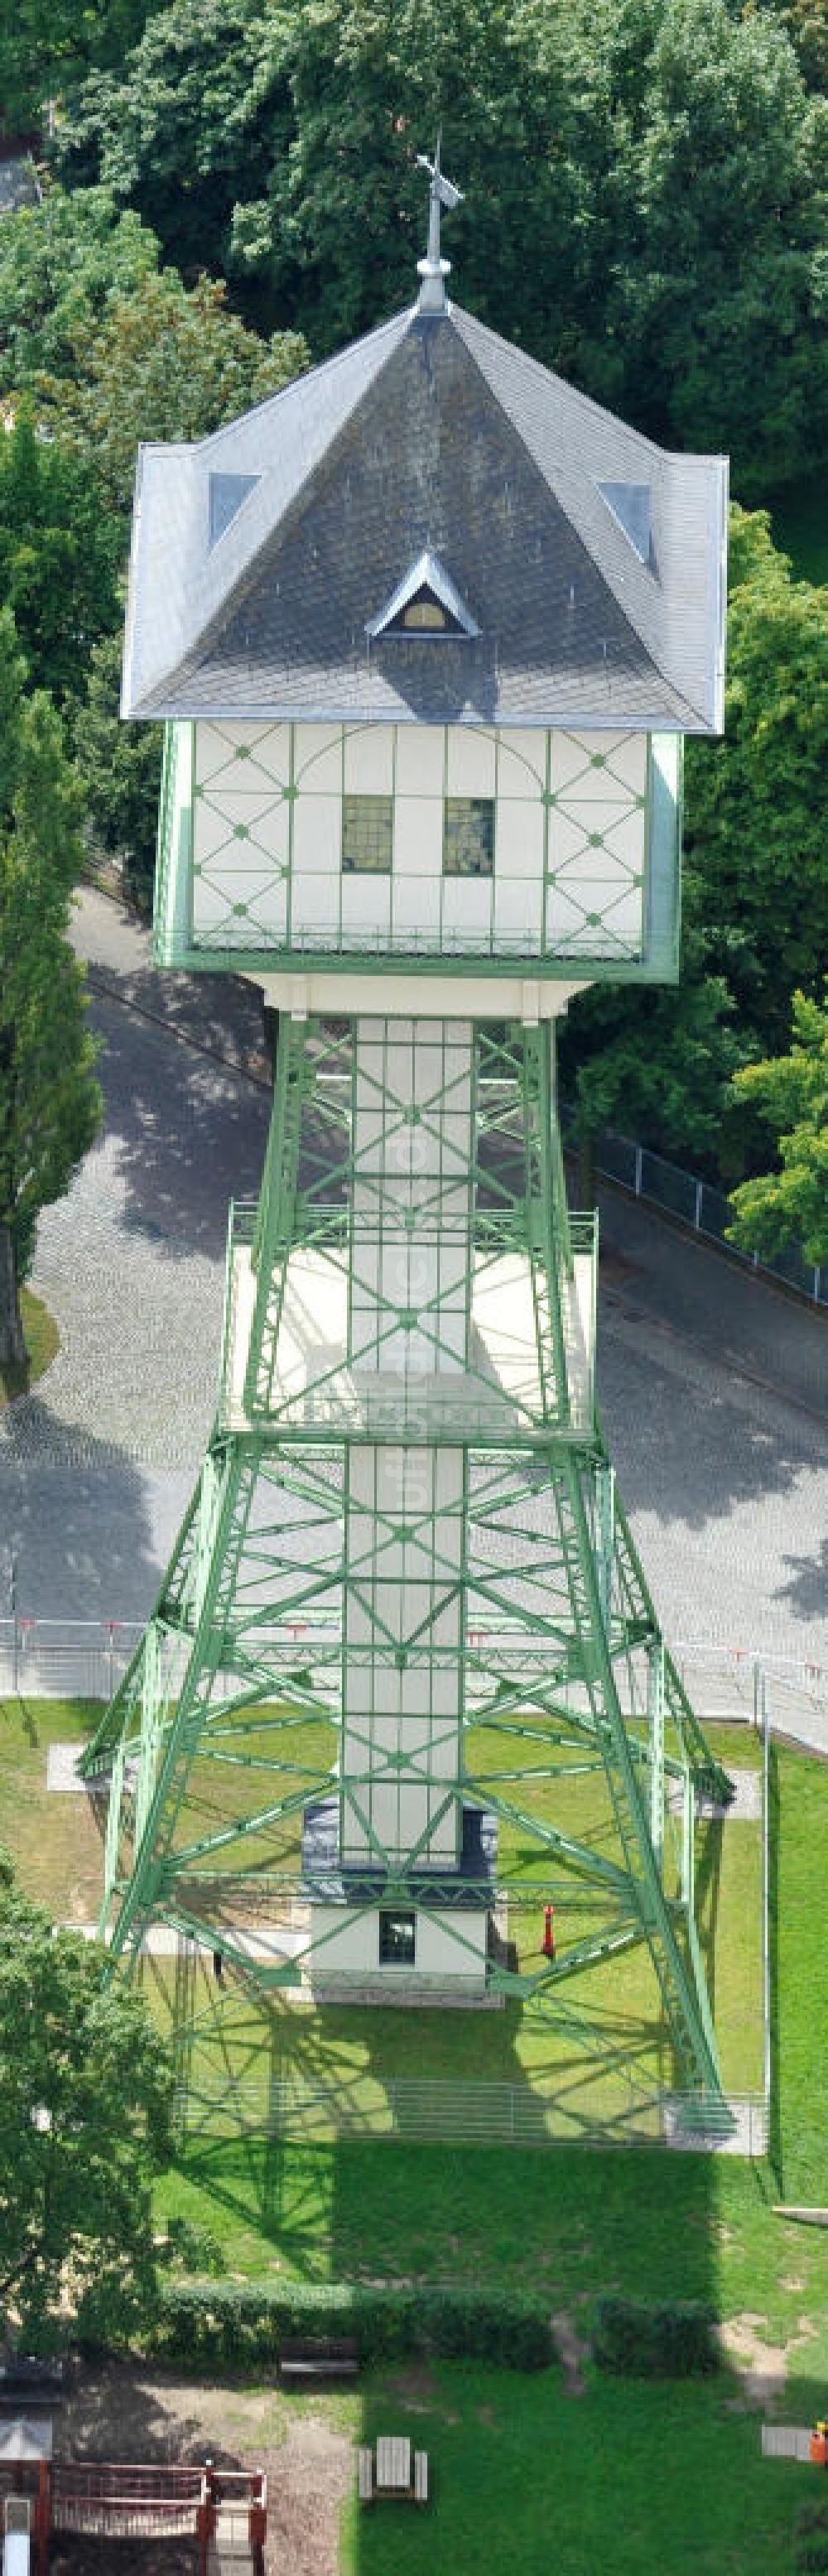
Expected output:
(411, 1276)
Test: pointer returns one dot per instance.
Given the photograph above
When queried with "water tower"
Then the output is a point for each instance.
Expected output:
(426, 631)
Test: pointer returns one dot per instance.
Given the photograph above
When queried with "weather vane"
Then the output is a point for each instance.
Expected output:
(433, 269)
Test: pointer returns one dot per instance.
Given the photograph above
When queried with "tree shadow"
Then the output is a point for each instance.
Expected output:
(189, 1131)
(90, 1530)
(807, 1590)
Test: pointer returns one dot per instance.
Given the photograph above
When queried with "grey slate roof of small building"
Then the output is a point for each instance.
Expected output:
(430, 435)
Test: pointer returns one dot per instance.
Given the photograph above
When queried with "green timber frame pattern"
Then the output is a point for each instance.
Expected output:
(586, 837)
(230, 1722)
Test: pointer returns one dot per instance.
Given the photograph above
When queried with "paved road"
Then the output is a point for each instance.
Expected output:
(714, 1386)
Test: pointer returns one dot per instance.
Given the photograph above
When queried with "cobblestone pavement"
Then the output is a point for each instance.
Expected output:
(714, 1386)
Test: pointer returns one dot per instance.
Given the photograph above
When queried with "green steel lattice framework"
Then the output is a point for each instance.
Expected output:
(532, 1608)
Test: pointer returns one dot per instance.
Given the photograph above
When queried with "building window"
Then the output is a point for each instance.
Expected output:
(396, 1940)
(468, 836)
(367, 825)
(426, 616)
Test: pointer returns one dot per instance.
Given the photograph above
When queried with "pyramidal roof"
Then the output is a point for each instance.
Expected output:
(590, 562)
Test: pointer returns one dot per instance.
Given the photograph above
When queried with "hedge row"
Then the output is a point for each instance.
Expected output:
(241, 2322)
(811, 2555)
(675, 2342)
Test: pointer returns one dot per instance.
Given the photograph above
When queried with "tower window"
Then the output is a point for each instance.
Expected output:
(367, 832)
(468, 836)
(396, 1940)
(427, 615)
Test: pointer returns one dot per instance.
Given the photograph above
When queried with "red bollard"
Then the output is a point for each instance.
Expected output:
(548, 1933)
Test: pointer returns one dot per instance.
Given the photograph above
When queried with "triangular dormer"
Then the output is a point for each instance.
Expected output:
(630, 505)
(226, 493)
(425, 603)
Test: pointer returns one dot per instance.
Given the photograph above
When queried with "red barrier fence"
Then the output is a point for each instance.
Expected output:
(129, 2500)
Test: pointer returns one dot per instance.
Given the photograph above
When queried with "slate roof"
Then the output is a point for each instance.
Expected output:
(430, 435)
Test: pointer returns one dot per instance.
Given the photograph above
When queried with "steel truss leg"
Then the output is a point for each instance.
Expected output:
(531, 1621)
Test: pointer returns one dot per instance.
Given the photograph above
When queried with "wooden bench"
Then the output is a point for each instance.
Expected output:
(318, 2357)
(388, 2472)
(28, 2382)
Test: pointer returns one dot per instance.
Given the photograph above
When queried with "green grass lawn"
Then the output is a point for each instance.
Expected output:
(569, 2220)
(525, 2476)
(55, 1841)
(42, 1341)
(352, 2054)
(628, 2477)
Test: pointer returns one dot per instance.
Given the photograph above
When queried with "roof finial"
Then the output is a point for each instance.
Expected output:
(433, 269)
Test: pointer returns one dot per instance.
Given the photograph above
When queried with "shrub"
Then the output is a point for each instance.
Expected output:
(245, 2322)
(193, 2246)
(650, 2342)
(811, 2535)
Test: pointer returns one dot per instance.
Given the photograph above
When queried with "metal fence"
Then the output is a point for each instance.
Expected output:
(86, 1658)
(65, 1658)
(693, 1203)
(419, 2109)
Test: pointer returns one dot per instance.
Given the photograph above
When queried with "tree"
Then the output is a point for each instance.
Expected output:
(757, 802)
(790, 1206)
(755, 891)
(719, 283)
(646, 206)
(200, 109)
(59, 263)
(657, 1063)
(59, 553)
(807, 26)
(49, 1098)
(163, 364)
(120, 765)
(85, 2095)
(49, 43)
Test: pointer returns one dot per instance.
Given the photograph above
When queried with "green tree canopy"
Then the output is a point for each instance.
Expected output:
(59, 264)
(720, 274)
(163, 363)
(757, 802)
(59, 554)
(646, 188)
(658, 1064)
(790, 1092)
(120, 765)
(85, 2093)
(49, 43)
(201, 101)
(49, 1098)
(755, 890)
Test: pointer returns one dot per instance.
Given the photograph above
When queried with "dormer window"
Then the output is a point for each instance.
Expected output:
(425, 615)
(426, 603)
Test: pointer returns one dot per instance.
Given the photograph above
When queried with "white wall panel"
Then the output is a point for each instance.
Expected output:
(317, 756)
(470, 769)
(314, 905)
(519, 839)
(420, 760)
(521, 764)
(317, 836)
(223, 822)
(369, 761)
(467, 907)
(518, 909)
(366, 907)
(418, 837)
